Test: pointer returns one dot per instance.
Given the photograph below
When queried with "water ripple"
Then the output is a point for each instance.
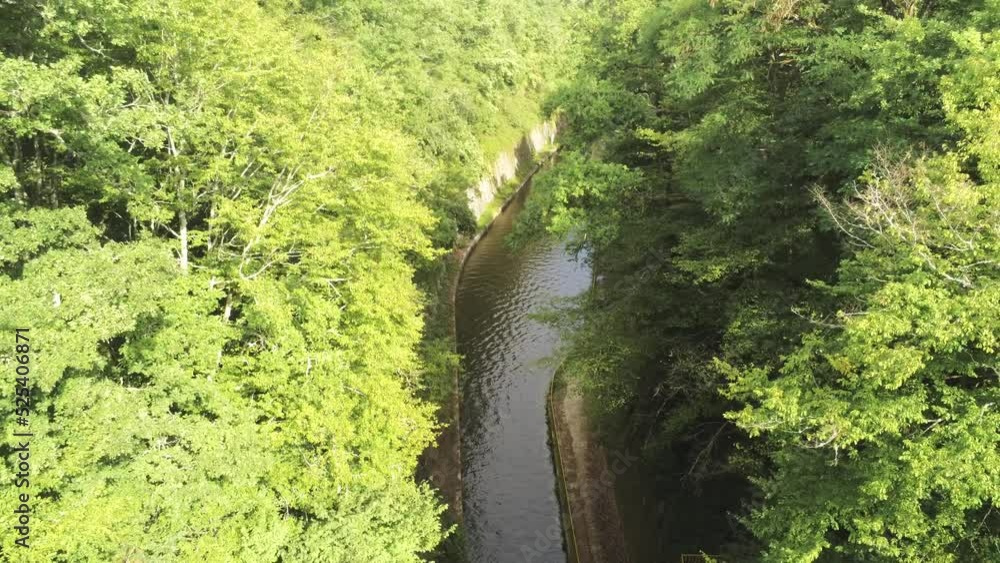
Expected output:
(510, 499)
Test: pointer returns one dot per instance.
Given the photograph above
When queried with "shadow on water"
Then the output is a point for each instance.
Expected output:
(510, 504)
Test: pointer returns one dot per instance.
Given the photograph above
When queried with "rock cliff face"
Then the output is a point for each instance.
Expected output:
(509, 165)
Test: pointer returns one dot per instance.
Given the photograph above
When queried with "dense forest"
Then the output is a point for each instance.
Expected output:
(212, 214)
(793, 208)
(223, 226)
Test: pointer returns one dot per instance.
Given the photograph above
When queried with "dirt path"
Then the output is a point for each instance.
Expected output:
(589, 482)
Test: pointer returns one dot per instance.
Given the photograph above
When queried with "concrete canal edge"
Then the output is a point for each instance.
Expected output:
(565, 506)
(585, 479)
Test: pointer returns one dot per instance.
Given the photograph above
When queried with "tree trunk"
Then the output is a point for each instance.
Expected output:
(183, 232)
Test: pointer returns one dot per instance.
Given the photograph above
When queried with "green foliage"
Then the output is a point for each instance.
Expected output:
(211, 214)
(792, 209)
(603, 189)
(883, 419)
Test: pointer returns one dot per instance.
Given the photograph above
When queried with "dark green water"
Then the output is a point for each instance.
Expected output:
(510, 506)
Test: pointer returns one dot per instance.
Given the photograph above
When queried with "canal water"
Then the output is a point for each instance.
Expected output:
(510, 507)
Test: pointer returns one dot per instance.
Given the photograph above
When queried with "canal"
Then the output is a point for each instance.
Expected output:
(510, 506)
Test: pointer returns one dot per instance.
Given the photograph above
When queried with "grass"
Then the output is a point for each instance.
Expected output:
(517, 114)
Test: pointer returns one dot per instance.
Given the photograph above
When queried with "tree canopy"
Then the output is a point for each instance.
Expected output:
(794, 209)
(211, 213)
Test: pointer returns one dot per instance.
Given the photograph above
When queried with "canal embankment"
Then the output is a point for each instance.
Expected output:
(588, 475)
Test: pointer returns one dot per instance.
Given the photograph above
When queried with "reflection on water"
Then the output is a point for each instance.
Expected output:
(511, 510)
